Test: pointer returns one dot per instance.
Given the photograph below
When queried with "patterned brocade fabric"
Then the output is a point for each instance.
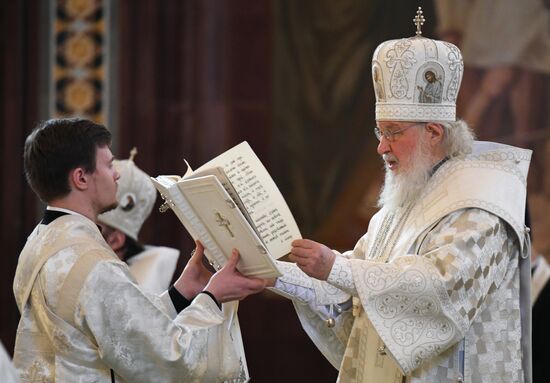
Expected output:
(341, 276)
(464, 284)
(114, 325)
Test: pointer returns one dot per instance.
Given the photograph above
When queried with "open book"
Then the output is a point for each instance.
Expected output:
(232, 202)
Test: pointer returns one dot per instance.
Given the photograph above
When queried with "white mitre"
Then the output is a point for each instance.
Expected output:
(416, 79)
(136, 196)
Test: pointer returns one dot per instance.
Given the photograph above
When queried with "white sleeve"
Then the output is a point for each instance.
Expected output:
(142, 341)
(315, 302)
(168, 305)
(341, 276)
(298, 286)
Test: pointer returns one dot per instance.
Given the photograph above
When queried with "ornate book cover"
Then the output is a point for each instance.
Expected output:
(232, 202)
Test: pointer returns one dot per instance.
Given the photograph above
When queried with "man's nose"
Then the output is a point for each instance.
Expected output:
(383, 146)
(117, 175)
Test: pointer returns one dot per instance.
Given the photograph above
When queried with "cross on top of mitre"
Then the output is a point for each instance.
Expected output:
(419, 21)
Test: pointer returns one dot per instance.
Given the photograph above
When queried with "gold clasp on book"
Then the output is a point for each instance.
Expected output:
(164, 207)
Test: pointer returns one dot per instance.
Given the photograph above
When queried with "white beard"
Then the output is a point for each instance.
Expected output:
(406, 186)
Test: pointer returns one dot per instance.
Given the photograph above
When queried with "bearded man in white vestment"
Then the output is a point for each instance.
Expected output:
(83, 316)
(437, 290)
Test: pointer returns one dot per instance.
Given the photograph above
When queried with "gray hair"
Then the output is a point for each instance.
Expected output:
(458, 138)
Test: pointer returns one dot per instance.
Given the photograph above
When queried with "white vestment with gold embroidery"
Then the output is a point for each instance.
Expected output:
(113, 324)
(436, 285)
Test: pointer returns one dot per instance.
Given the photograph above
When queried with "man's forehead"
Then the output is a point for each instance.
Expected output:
(392, 124)
(104, 152)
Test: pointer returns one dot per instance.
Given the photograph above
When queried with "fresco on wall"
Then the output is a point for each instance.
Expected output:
(505, 93)
(323, 147)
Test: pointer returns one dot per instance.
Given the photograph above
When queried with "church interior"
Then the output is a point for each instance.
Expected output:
(188, 79)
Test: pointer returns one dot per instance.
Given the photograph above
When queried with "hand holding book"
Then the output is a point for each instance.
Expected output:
(228, 284)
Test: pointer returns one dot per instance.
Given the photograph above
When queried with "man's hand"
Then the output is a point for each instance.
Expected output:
(195, 275)
(313, 258)
(228, 284)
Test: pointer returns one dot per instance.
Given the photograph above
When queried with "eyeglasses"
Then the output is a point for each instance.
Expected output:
(389, 135)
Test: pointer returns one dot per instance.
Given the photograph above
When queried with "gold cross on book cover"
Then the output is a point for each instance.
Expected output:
(232, 202)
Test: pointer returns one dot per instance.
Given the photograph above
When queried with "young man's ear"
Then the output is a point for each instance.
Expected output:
(436, 132)
(78, 179)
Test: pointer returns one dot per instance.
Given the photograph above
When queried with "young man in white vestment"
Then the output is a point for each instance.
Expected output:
(83, 316)
(437, 290)
(152, 266)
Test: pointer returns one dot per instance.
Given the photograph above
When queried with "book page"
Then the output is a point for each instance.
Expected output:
(261, 197)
